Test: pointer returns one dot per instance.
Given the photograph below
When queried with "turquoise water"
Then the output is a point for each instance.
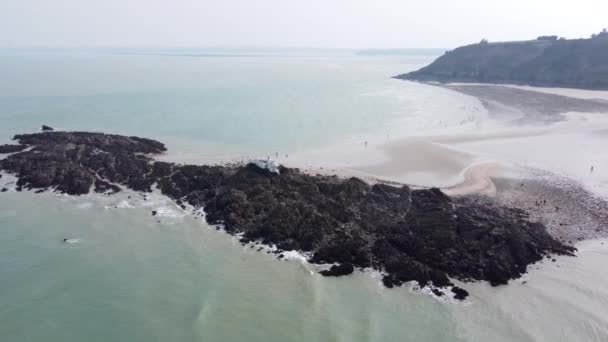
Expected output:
(133, 277)
(252, 99)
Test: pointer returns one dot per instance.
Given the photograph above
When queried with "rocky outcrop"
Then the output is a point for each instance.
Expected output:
(47, 128)
(339, 270)
(4, 149)
(577, 63)
(411, 235)
(73, 163)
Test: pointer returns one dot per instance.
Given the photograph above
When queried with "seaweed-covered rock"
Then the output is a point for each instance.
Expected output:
(5, 149)
(410, 235)
(338, 270)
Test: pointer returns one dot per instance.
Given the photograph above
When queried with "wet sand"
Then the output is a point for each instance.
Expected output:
(536, 156)
(526, 106)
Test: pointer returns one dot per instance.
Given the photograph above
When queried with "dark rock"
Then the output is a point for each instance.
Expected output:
(459, 293)
(154, 212)
(437, 292)
(4, 190)
(338, 270)
(75, 161)
(47, 128)
(4, 149)
(411, 235)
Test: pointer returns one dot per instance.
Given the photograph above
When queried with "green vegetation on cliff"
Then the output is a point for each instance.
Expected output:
(546, 61)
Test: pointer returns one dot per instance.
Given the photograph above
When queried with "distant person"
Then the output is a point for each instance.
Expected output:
(591, 168)
(365, 143)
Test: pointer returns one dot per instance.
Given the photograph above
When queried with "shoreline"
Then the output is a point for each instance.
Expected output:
(344, 222)
(452, 158)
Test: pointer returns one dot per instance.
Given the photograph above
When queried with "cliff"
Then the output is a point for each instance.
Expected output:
(546, 62)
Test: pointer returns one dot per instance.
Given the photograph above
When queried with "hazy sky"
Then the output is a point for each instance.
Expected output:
(301, 23)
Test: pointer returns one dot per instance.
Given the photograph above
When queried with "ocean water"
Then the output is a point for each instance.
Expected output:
(128, 276)
(229, 101)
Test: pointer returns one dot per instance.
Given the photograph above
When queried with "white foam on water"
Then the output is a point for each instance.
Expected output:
(124, 204)
(296, 256)
(84, 205)
(8, 181)
(169, 212)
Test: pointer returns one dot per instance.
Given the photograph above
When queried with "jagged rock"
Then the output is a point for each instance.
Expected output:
(5, 149)
(438, 293)
(459, 293)
(411, 235)
(47, 128)
(338, 270)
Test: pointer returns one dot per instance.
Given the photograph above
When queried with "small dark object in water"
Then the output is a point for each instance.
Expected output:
(47, 128)
(154, 212)
(459, 293)
(4, 190)
(65, 240)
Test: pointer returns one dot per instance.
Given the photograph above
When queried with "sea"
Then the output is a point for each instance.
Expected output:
(125, 275)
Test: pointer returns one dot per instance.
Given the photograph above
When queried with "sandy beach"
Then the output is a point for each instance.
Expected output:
(535, 152)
